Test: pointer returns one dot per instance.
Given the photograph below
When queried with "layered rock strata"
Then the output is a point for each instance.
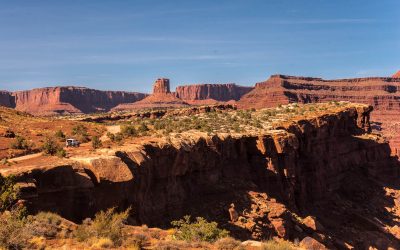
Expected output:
(383, 93)
(160, 98)
(217, 92)
(66, 100)
(303, 167)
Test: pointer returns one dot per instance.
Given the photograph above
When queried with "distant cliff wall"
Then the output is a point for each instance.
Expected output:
(56, 100)
(219, 92)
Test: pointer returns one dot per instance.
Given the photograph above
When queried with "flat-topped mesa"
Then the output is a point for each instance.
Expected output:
(218, 92)
(66, 100)
(161, 86)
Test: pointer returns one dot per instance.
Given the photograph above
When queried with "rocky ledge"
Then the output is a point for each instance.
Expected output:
(319, 175)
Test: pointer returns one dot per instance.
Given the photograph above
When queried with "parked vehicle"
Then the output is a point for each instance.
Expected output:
(72, 143)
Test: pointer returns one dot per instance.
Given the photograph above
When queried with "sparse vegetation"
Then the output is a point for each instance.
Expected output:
(96, 143)
(198, 230)
(228, 243)
(21, 143)
(9, 133)
(128, 131)
(106, 224)
(51, 147)
(277, 245)
(9, 192)
(81, 132)
(59, 134)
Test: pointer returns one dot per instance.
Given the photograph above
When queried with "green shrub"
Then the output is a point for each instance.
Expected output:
(61, 153)
(199, 230)
(60, 135)
(143, 128)
(20, 143)
(106, 224)
(44, 224)
(13, 231)
(96, 143)
(9, 192)
(51, 147)
(128, 131)
(81, 133)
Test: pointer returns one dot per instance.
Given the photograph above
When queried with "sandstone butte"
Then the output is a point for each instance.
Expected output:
(66, 100)
(383, 93)
(160, 98)
(319, 177)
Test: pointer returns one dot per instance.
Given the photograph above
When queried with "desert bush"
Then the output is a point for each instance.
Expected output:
(137, 240)
(143, 128)
(102, 243)
(106, 224)
(51, 147)
(9, 133)
(9, 192)
(96, 143)
(227, 243)
(81, 133)
(199, 230)
(44, 224)
(13, 231)
(59, 134)
(276, 245)
(61, 153)
(20, 143)
(128, 131)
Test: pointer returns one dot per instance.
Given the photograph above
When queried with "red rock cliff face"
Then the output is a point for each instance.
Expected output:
(307, 165)
(6, 99)
(56, 100)
(218, 92)
(383, 93)
(161, 86)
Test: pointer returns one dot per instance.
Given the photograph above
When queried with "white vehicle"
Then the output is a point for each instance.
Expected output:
(72, 143)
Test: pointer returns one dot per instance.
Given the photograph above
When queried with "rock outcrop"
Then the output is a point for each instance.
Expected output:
(161, 98)
(383, 93)
(324, 166)
(217, 92)
(161, 86)
(67, 100)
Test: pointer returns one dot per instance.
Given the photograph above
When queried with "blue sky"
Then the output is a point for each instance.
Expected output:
(126, 45)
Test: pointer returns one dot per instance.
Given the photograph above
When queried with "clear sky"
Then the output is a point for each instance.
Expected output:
(126, 45)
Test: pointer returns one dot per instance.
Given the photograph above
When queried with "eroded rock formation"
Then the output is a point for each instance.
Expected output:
(383, 93)
(161, 86)
(160, 98)
(218, 92)
(325, 166)
(67, 100)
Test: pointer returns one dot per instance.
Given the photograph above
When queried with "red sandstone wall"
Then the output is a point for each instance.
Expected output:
(53, 100)
(383, 93)
(219, 92)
